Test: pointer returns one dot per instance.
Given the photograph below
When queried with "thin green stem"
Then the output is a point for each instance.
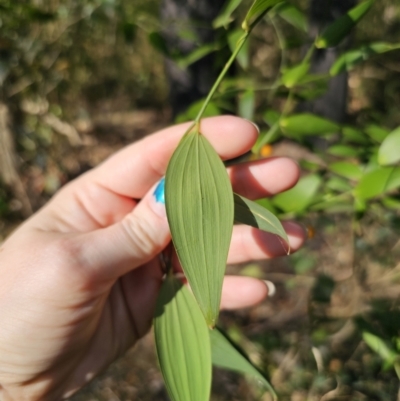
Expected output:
(221, 76)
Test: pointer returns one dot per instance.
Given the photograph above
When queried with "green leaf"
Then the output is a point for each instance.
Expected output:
(158, 42)
(293, 75)
(211, 110)
(182, 343)
(292, 15)
(394, 180)
(338, 184)
(197, 54)
(200, 210)
(339, 29)
(246, 104)
(373, 183)
(253, 214)
(227, 355)
(258, 9)
(243, 56)
(225, 16)
(347, 170)
(298, 198)
(389, 151)
(354, 135)
(267, 137)
(343, 151)
(376, 132)
(299, 125)
(383, 349)
(271, 117)
(351, 58)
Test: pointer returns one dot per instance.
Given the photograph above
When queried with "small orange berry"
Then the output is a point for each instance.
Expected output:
(266, 151)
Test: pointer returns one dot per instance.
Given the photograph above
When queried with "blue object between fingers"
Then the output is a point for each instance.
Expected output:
(159, 191)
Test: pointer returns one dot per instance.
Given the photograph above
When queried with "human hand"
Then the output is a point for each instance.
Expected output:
(80, 278)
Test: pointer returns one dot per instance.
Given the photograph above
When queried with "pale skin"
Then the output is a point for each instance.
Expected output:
(80, 278)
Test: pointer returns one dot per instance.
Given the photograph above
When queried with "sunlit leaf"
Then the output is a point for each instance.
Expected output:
(346, 169)
(227, 355)
(182, 343)
(389, 151)
(374, 183)
(340, 28)
(394, 180)
(343, 151)
(292, 15)
(298, 198)
(225, 16)
(351, 58)
(381, 347)
(258, 9)
(293, 75)
(253, 214)
(299, 125)
(200, 210)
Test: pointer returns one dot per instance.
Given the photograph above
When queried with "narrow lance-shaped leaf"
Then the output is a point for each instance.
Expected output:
(225, 17)
(199, 203)
(226, 355)
(339, 29)
(351, 58)
(299, 125)
(378, 345)
(293, 75)
(258, 9)
(182, 343)
(253, 214)
(292, 15)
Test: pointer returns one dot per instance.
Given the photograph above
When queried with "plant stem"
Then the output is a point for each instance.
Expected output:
(239, 45)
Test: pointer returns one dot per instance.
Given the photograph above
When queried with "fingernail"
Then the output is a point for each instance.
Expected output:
(255, 125)
(271, 288)
(159, 192)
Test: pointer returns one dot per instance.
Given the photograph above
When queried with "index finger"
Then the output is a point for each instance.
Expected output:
(132, 171)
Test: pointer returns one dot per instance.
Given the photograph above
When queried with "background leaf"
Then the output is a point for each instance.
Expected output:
(389, 151)
(351, 58)
(298, 125)
(182, 343)
(373, 183)
(253, 214)
(257, 11)
(292, 15)
(199, 203)
(225, 17)
(293, 75)
(346, 169)
(339, 29)
(383, 349)
(227, 355)
(299, 197)
(243, 56)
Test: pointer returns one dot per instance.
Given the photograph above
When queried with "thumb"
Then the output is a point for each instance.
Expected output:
(128, 244)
